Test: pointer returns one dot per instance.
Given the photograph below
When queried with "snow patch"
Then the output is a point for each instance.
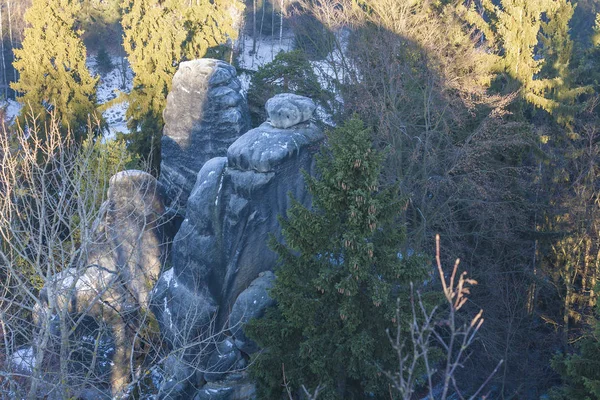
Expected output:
(120, 78)
(219, 191)
(168, 276)
(24, 359)
(11, 110)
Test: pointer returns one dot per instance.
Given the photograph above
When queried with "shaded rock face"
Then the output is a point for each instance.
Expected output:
(251, 303)
(221, 263)
(122, 266)
(205, 114)
(220, 256)
(221, 246)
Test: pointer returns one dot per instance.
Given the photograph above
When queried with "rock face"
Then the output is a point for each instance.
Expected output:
(251, 303)
(220, 255)
(205, 114)
(221, 246)
(124, 262)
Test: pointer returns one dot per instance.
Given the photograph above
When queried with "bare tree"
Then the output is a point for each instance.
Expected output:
(55, 263)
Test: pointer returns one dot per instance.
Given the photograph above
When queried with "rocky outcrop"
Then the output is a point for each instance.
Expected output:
(220, 256)
(205, 114)
(114, 284)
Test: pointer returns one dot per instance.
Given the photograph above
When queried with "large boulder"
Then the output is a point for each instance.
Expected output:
(286, 110)
(221, 246)
(222, 360)
(205, 114)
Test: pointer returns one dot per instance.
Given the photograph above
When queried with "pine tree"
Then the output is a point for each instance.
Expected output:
(289, 72)
(51, 65)
(158, 35)
(580, 371)
(339, 276)
(532, 36)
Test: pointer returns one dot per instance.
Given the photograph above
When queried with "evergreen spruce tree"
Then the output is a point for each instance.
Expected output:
(289, 72)
(580, 371)
(103, 61)
(532, 37)
(339, 276)
(158, 35)
(51, 65)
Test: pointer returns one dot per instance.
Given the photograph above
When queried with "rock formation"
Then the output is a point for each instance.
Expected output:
(124, 262)
(221, 259)
(205, 114)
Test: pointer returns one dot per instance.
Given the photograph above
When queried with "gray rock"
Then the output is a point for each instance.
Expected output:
(241, 390)
(177, 379)
(205, 113)
(222, 360)
(265, 148)
(286, 110)
(221, 246)
(251, 303)
(183, 315)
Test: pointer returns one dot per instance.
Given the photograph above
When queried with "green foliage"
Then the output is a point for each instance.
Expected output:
(535, 48)
(100, 20)
(103, 61)
(158, 35)
(338, 280)
(288, 72)
(51, 66)
(580, 371)
(107, 158)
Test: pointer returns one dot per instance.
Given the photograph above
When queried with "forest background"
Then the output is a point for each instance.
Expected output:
(487, 111)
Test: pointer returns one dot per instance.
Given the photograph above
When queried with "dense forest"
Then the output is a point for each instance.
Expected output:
(474, 120)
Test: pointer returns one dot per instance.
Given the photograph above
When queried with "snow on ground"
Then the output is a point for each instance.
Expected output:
(11, 110)
(23, 359)
(251, 56)
(266, 48)
(120, 78)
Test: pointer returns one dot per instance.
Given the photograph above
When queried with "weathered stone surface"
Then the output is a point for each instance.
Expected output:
(205, 113)
(286, 110)
(241, 390)
(177, 377)
(221, 246)
(129, 247)
(222, 360)
(251, 303)
(183, 315)
(123, 263)
(265, 148)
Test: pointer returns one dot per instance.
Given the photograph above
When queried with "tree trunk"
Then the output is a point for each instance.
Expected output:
(281, 23)
(253, 27)
(4, 80)
(10, 38)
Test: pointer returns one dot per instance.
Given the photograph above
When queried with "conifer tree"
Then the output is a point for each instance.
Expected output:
(580, 371)
(339, 276)
(289, 72)
(51, 65)
(524, 32)
(158, 35)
